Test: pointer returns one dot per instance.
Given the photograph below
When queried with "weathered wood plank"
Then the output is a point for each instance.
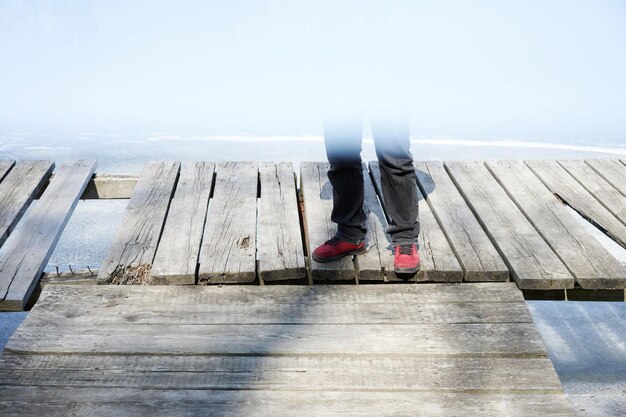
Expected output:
(229, 242)
(438, 262)
(5, 167)
(611, 198)
(52, 401)
(373, 313)
(177, 255)
(132, 252)
(170, 297)
(591, 264)
(611, 170)
(18, 189)
(430, 340)
(26, 252)
(94, 306)
(318, 205)
(474, 250)
(111, 186)
(530, 259)
(560, 182)
(377, 263)
(287, 373)
(280, 251)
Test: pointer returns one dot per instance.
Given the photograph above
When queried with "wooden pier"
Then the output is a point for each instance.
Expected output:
(280, 350)
(460, 343)
(252, 223)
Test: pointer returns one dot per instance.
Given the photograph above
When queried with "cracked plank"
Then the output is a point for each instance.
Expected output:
(280, 252)
(560, 182)
(229, 241)
(591, 264)
(176, 257)
(137, 237)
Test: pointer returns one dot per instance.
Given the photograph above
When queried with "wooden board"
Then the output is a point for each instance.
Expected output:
(317, 193)
(55, 401)
(612, 170)
(280, 350)
(17, 190)
(514, 336)
(471, 245)
(438, 262)
(229, 242)
(176, 257)
(377, 263)
(130, 256)
(5, 167)
(591, 264)
(26, 252)
(276, 349)
(149, 297)
(230, 306)
(280, 252)
(290, 373)
(530, 259)
(560, 182)
(609, 196)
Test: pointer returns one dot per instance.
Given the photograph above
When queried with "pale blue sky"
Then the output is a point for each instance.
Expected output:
(551, 69)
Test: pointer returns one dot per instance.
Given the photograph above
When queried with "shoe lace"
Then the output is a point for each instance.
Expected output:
(333, 241)
(406, 249)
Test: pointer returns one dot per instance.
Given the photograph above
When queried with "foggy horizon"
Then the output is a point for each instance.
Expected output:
(550, 71)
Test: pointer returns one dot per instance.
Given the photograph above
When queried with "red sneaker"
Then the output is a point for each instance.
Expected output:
(334, 249)
(406, 259)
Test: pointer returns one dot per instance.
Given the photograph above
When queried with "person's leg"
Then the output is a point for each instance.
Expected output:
(397, 177)
(342, 138)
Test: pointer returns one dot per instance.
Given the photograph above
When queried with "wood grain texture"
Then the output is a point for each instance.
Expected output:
(560, 182)
(609, 196)
(530, 259)
(417, 339)
(280, 252)
(26, 252)
(377, 263)
(280, 350)
(295, 305)
(61, 401)
(438, 262)
(229, 242)
(342, 321)
(137, 237)
(317, 193)
(591, 264)
(612, 170)
(474, 250)
(168, 297)
(287, 373)
(5, 167)
(177, 255)
(17, 190)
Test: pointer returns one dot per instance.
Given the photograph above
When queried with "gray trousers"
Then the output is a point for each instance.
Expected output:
(343, 140)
